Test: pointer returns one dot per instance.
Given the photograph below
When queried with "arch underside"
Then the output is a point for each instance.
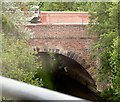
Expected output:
(74, 68)
(71, 55)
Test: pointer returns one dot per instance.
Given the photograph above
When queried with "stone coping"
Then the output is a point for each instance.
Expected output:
(78, 12)
(33, 24)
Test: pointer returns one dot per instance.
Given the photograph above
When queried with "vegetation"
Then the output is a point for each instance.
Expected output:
(60, 6)
(49, 64)
(18, 59)
(68, 6)
(18, 62)
(107, 47)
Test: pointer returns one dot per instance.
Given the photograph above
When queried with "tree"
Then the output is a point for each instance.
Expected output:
(18, 59)
(13, 20)
(106, 26)
(64, 6)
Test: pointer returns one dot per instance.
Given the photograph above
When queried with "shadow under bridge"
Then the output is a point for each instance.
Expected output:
(63, 74)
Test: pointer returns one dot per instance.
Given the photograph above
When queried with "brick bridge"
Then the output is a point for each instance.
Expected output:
(65, 33)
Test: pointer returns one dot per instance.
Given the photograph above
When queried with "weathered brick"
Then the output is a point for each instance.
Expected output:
(72, 37)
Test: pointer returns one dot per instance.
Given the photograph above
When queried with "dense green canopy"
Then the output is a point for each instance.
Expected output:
(106, 27)
(105, 23)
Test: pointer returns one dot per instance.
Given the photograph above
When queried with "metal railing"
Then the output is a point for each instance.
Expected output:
(23, 91)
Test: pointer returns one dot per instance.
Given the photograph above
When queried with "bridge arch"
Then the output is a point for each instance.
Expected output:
(76, 58)
(70, 54)
(72, 35)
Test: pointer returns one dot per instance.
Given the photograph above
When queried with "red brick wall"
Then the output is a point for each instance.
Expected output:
(68, 37)
(64, 17)
(66, 31)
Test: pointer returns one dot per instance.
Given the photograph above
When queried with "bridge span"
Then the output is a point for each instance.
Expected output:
(66, 34)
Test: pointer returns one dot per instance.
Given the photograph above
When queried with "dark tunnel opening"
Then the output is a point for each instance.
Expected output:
(67, 76)
(65, 84)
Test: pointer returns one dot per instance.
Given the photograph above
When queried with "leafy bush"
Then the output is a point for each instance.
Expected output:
(107, 47)
(18, 61)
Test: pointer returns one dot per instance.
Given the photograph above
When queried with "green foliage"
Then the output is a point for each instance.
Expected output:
(115, 65)
(59, 6)
(13, 20)
(65, 6)
(18, 61)
(7, 25)
(49, 65)
(104, 23)
(108, 94)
